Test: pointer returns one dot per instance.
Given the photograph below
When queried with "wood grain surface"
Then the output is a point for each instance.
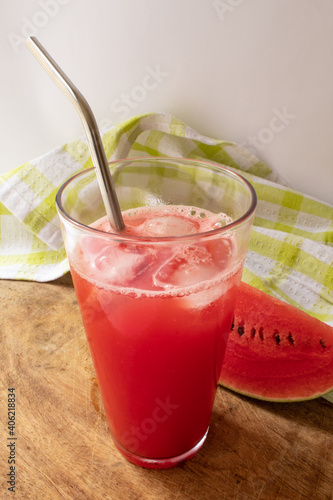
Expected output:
(63, 450)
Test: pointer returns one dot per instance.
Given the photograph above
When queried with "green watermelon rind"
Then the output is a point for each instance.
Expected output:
(276, 400)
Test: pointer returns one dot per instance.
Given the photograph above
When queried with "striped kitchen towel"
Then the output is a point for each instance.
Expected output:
(290, 253)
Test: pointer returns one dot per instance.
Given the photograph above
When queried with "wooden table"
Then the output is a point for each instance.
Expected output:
(63, 449)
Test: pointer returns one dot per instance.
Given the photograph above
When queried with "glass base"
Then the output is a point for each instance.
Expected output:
(161, 463)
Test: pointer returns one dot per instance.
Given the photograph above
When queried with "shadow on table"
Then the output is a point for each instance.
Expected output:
(315, 413)
(255, 449)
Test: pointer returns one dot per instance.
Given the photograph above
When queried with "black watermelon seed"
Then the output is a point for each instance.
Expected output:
(232, 324)
(240, 330)
(291, 338)
(322, 343)
(261, 333)
(253, 332)
(277, 337)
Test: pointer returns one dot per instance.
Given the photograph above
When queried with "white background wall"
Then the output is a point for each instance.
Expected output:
(258, 72)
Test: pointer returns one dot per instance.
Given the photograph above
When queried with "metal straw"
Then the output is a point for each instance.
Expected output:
(91, 130)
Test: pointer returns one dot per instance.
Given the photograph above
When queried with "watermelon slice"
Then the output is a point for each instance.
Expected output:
(275, 351)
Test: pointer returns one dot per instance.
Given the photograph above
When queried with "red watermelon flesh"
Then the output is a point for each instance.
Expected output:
(275, 351)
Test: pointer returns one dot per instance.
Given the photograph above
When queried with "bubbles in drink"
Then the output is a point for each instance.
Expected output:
(168, 220)
(157, 265)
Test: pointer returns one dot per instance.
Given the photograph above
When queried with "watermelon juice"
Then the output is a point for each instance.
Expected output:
(157, 308)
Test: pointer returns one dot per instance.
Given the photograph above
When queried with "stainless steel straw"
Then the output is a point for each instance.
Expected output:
(91, 130)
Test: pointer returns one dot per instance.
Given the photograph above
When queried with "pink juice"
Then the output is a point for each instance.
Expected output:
(157, 313)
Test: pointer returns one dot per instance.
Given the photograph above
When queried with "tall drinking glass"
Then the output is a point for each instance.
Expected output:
(157, 300)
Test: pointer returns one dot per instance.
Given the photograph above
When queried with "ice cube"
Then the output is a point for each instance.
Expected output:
(189, 265)
(222, 251)
(91, 247)
(169, 225)
(204, 298)
(121, 264)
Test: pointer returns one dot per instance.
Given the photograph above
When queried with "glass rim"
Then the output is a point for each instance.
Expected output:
(212, 232)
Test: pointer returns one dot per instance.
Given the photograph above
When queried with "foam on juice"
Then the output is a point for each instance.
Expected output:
(166, 221)
(179, 267)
